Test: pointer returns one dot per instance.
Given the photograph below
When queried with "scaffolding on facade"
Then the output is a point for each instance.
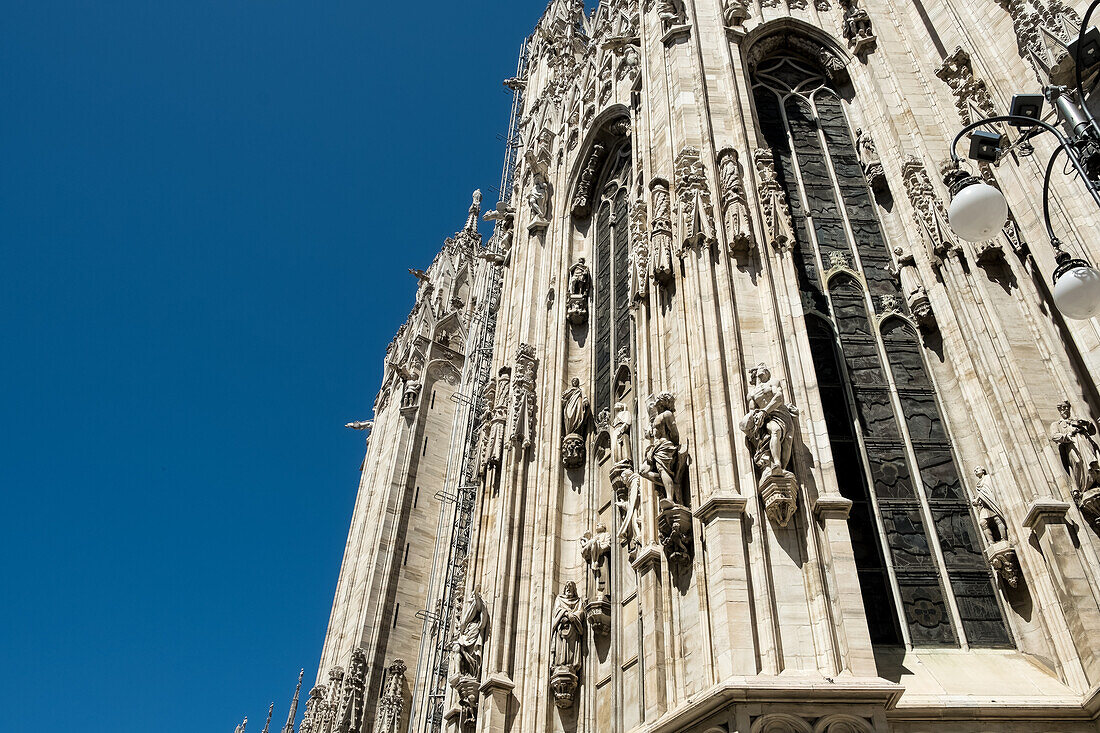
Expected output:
(459, 495)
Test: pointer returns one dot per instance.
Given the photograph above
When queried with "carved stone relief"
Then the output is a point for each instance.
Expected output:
(627, 485)
(778, 227)
(467, 650)
(735, 209)
(696, 212)
(972, 98)
(349, 718)
(661, 232)
(524, 401)
(929, 211)
(770, 427)
(1043, 29)
(639, 255)
(582, 200)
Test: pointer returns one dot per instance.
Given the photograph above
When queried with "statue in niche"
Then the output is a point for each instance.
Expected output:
(770, 422)
(627, 485)
(580, 285)
(1080, 457)
(473, 628)
(666, 460)
(538, 199)
(596, 551)
(869, 160)
(734, 204)
(735, 12)
(575, 409)
(567, 633)
(999, 549)
(621, 449)
(671, 13)
(411, 394)
(770, 428)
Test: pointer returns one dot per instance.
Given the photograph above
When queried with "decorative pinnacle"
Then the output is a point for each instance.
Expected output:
(267, 725)
(289, 727)
(475, 212)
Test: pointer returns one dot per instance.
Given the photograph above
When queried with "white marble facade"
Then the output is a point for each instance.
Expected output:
(719, 461)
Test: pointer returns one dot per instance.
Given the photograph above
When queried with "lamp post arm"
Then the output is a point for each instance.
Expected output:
(1077, 65)
(1046, 194)
(1063, 142)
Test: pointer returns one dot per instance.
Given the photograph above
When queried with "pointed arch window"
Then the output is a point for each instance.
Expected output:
(611, 277)
(921, 570)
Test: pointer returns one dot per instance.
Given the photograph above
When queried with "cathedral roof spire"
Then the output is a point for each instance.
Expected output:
(267, 725)
(289, 727)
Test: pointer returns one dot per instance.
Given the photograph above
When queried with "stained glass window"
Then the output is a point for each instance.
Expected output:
(921, 570)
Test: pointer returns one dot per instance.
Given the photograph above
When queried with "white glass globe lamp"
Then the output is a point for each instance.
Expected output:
(1076, 287)
(978, 211)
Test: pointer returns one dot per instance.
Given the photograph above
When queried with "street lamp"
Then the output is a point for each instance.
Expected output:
(978, 210)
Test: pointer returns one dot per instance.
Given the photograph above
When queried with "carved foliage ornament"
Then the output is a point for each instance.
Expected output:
(696, 212)
(639, 237)
(735, 209)
(778, 227)
(972, 98)
(661, 231)
(929, 212)
(524, 405)
(392, 704)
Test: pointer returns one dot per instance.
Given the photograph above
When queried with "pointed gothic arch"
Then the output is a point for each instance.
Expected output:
(918, 553)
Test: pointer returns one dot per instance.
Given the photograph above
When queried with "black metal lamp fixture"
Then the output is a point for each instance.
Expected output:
(978, 211)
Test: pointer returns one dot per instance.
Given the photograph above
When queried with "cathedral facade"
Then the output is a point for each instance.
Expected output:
(724, 430)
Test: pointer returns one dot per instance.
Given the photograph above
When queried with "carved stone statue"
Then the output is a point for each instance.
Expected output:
(473, 628)
(575, 411)
(538, 199)
(999, 549)
(580, 286)
(1080, 457)
(769, 422)
(857, 29)
(491, 432)
(869, 160)
(566, 637)
(671, 13)
(990, 517)
(770, 428)
(411, 395)
(735, 12)
(734, 204)
(621, 422)
(666, 460)
(627, 485)
(596, 551)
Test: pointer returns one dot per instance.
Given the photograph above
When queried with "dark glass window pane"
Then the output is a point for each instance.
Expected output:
(890, 472)
(922, 416)
(925, 611)
(861, 358)
(876, 415)
(603, 310)
(959, 539)
(981, 616)
(939, 475)
(908, 540)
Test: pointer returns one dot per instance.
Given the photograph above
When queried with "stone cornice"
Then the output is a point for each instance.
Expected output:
(1042, 511)
(721, 506)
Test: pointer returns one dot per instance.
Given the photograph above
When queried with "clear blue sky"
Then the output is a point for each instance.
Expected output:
(207, 211)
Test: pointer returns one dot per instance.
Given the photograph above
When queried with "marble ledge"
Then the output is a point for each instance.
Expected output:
(1043, 511)
(721, 506)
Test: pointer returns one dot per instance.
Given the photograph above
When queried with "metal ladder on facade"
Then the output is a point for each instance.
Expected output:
(445, 592)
